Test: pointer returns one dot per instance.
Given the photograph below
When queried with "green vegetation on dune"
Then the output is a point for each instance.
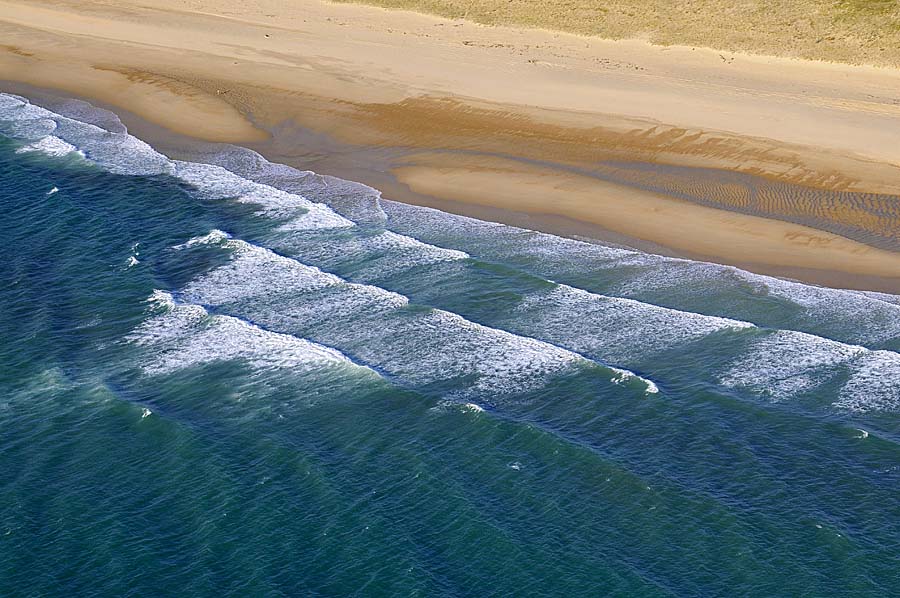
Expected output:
(852, 31)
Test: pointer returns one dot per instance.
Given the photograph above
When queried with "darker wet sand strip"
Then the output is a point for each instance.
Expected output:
(730, 236)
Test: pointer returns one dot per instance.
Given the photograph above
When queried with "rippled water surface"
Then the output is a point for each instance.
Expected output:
(236, 378)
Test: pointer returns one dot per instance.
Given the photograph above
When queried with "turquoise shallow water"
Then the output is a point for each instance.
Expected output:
(234, 378)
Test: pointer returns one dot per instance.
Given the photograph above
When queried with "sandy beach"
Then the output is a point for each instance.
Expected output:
(468, 117)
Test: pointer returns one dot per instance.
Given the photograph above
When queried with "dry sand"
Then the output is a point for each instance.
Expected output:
(380, 92)
(850, 31)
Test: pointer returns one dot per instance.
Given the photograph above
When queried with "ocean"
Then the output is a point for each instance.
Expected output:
(231, 377)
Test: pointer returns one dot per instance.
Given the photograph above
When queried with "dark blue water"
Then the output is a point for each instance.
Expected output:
(247, 380)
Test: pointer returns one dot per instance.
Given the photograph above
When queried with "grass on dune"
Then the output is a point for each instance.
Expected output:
(852, 31)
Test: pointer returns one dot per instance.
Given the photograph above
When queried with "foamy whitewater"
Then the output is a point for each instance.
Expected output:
(230, 376)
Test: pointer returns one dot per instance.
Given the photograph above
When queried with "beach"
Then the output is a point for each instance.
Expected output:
(299, 301)
(436, 111)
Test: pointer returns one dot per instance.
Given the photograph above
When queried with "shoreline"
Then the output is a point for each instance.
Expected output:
(373, 129)
(526, 215)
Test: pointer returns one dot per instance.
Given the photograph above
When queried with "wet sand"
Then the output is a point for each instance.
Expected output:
(528, 127)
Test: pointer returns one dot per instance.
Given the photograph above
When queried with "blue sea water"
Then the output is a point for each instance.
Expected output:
(230, 377)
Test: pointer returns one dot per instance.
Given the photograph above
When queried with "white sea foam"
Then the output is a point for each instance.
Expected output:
(215, 236)
(451, 405)
(401, 244)
(611, 329)
(27, 130)
(17, 108)
(132, 261)
(420, 347)
(117, 152)
(186, 335)
(430, 219)
(874, 384)
(253, 271)
(285, 294)
(621, 376)
(354, 201)
(372, 256)
(172, 321)
(10, 101)
(50, 146)
(87, 113)
(439, 345)
(545, 246)
(849, 316)
(121, 153)
(214, 182)
(161, 300)
(873, 317)
(784, 363)
(499, 241)
(886, 297)
(52, 191)
(651, 272)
